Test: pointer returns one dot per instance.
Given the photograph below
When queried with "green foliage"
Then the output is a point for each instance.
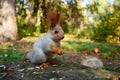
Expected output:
(101, 33)
(107, 30)
(25, 19)
(84, 34)
(25, 30)
(109, 55)
(109, 67)
(65, 27)
(10, 54)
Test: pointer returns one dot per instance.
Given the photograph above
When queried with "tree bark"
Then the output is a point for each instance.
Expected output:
(8, 27)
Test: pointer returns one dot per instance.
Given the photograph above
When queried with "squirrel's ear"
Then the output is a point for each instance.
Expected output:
(51, 16)
(61, 18)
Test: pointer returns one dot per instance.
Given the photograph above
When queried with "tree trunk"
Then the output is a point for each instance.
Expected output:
(8, 27)
(42, 25)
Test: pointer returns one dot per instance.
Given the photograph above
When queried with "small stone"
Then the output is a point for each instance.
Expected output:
(30, 68)
(92, 62)
(53, 71)
(37, 67)
(20, 70)
(58, 72)
(18, 65)
(41, 67)
(60, 79)
(22, 75)
(70, 70)
(3, 66)
(35, 72)
(53, 79)
(54, 65)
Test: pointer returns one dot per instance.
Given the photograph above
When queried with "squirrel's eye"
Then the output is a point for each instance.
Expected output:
(56, 32)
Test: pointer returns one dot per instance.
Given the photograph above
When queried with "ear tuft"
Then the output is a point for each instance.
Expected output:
(51, 18)
(61, 18)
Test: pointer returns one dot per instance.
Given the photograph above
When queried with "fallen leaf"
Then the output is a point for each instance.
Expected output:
(96, 50)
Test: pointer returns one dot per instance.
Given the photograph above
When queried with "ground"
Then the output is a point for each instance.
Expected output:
(67, 67)
(63, 69)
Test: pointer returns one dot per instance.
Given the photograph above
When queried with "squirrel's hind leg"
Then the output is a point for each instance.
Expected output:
(38, 56)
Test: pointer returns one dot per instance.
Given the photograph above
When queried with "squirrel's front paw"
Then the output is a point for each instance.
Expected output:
(56, 50)
(60, 52)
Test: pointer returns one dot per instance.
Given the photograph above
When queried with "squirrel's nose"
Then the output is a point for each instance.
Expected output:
(63, 37)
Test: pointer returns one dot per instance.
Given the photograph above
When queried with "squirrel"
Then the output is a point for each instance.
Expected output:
(49, 43)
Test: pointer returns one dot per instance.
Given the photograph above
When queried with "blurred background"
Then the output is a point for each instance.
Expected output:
(98, 20)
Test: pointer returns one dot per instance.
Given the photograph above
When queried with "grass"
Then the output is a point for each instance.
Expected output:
(80, 45)
(10, 54)
(106, 50)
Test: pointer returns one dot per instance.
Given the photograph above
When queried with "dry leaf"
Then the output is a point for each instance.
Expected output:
(96, 50)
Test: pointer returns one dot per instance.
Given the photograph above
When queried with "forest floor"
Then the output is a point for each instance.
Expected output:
(67, 67)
